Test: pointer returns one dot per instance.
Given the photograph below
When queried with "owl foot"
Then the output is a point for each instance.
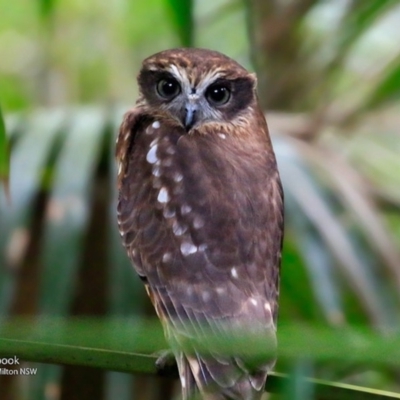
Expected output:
(166, 364)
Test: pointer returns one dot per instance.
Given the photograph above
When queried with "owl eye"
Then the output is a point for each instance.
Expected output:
(168, 88)
(218, 94)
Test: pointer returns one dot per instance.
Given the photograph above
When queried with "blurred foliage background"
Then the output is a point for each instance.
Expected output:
(329, 79)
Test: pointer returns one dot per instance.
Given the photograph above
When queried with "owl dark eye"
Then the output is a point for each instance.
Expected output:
(168, 88)
(218, 94)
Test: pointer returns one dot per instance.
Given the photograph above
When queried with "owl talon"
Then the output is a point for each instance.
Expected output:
(166, 364)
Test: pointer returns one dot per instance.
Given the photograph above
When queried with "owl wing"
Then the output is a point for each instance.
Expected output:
(202, 220)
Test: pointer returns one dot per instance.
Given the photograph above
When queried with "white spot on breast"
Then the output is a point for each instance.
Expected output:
(155, 124)
(222, 135)
(156, 171)
(163, 196)
(220, 290)
(267, 307)
(253, 301)
(234, 273)
(198, 222)
(178, 177)
(168, 213)
(119, 168)
(188, 248)
(170, 150)
(203, 247)
(183, 382)
(186, 209)
(166, 257)
(151, 156)
(178, 229)
(126, 137)
(133, 252)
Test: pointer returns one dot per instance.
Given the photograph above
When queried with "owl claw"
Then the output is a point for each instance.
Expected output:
(166, 364)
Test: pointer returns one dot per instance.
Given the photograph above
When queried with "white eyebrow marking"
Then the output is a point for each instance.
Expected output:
(180, 75)
(234, 273)
(207, 80)
(187, 86)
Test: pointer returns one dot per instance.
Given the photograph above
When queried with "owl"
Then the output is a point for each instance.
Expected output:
(200, 212)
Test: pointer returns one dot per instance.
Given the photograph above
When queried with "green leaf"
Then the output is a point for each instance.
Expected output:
(67, 215)
(38, 132)
(181, 12)
(125, 346)
(312, 201)
(4, 156)
(68, 209)
(388, 89)
(360, 18)
(319, 265)
(297, 386)
(46, 8)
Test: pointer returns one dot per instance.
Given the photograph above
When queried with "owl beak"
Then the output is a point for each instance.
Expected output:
(191, 107)
(190, 113)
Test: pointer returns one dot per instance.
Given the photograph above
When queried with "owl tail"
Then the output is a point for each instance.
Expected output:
(216, 379)
(190, 390)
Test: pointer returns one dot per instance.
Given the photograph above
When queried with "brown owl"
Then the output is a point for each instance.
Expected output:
(200, 211)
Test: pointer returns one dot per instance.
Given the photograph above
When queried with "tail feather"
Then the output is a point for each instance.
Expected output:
(190, 390)
(211, 379)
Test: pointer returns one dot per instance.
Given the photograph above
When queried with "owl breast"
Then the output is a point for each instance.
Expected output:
(190, 212)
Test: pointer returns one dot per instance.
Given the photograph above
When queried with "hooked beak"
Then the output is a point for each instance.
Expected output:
(190, 114)
(191, 107)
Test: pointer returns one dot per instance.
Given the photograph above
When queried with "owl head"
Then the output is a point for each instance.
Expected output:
(194, 86)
